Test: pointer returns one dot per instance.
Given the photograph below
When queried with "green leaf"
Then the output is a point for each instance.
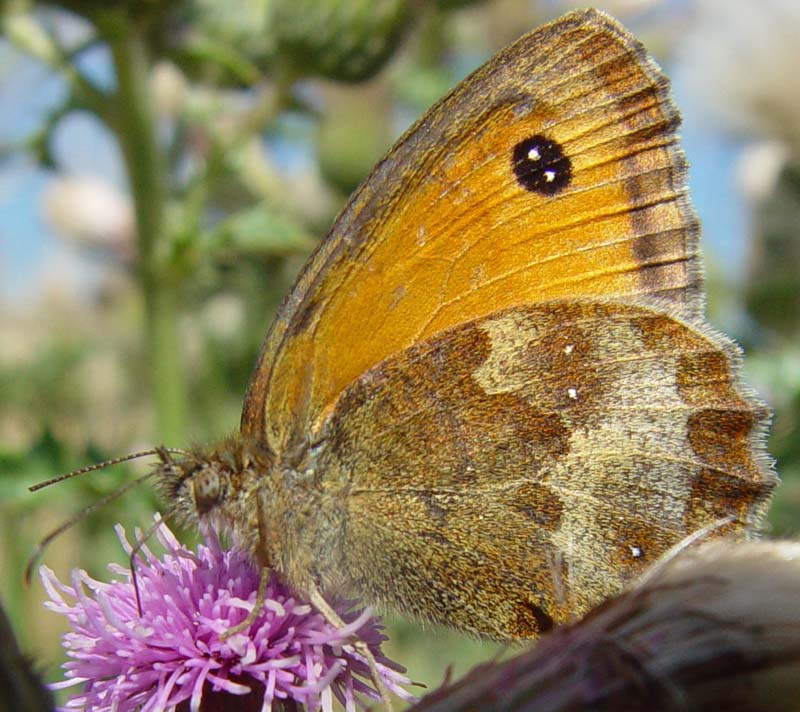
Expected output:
(260, 229)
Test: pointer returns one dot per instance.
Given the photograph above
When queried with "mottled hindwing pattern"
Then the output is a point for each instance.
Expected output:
(514, 471)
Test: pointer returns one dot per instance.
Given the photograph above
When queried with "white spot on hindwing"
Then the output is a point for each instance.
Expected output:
(637, 431)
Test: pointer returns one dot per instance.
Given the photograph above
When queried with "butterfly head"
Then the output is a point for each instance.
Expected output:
(214, 484)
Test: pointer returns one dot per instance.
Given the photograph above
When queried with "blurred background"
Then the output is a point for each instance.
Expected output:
(166, 166)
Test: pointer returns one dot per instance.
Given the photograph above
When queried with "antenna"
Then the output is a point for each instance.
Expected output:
(105, 463)
(85, 512)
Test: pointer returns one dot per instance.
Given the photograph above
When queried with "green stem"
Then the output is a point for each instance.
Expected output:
(134, 124)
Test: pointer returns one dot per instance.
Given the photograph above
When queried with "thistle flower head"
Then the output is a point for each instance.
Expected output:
(172, 656)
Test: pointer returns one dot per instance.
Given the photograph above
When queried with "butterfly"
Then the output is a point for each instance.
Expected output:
(491, 398)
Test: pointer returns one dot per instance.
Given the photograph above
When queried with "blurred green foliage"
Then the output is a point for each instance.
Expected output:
(261, 121)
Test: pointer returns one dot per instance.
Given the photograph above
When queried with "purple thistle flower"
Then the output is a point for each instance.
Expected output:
(172, 657)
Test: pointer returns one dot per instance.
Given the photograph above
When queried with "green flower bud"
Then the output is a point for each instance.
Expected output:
(244, 29)
(347, 40)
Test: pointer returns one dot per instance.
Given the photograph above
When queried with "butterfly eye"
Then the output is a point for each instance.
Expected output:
(540, 165)
(206, 489)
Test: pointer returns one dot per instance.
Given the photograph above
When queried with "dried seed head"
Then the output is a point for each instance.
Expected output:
(715, 628)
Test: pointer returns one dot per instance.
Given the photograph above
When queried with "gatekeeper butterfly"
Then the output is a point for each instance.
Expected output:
(491, 398)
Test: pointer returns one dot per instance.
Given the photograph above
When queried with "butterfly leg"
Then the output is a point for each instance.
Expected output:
(319, 602)
(254, 611)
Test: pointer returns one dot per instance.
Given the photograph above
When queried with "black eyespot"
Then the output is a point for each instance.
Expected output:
(541, 166)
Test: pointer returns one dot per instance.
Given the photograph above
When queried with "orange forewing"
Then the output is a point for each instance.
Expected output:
(442, 232)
